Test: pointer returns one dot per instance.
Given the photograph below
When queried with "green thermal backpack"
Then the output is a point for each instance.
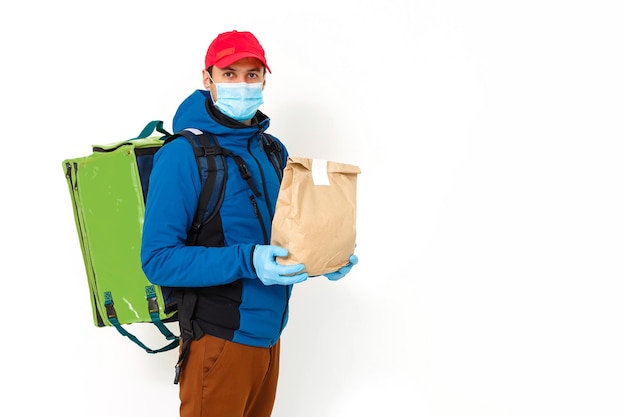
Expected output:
(108, 190)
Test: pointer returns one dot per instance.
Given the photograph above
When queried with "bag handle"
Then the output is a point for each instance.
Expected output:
(154, 316)
(151, 127)
(134, 338)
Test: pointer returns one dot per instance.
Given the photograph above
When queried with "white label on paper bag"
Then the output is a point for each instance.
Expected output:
(320, 172)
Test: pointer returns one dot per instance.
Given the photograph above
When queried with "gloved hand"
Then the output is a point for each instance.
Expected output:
(343, 271)
(272, 273)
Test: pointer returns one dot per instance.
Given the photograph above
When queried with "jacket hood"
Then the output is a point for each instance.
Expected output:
(197, 111)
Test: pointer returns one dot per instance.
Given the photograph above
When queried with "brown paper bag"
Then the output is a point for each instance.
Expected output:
(315, 216)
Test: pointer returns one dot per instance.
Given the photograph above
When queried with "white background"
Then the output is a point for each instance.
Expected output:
(491, 204)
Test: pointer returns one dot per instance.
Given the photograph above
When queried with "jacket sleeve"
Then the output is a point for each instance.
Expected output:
(171, 204)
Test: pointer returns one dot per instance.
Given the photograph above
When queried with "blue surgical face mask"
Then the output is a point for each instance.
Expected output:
(239, 101)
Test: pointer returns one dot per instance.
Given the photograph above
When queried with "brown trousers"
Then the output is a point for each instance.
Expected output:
(226, 379)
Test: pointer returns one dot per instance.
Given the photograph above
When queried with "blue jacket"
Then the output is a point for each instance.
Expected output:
(233, 303)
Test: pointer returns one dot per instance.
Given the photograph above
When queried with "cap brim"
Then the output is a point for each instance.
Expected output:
(227, 60)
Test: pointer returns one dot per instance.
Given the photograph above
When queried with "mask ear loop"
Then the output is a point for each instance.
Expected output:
(214, 83)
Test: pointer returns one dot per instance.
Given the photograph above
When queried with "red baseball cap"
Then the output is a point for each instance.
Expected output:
(229, 47)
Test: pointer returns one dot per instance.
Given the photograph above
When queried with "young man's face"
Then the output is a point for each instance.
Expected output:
(249, 70)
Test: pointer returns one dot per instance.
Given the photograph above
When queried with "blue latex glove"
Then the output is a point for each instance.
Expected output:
(343, 271)
(272, 273)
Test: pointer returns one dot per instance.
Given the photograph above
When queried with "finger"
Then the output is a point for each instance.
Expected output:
(289, 269)
(278, 251)
(335, 276)
(294, 279)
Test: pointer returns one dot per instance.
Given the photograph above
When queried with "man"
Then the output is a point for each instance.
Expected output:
(232, 294)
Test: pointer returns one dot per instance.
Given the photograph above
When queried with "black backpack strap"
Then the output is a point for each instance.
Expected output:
(187, 300)
(274, 153)
(211, 159)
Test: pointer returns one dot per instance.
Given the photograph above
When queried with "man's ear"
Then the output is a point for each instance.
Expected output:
(206, 80)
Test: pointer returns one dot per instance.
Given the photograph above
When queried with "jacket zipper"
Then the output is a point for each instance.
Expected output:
(271, 214)
(258, 216)
(262, 173)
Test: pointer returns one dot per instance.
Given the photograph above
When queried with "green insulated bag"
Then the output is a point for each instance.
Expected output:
(108, 190)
